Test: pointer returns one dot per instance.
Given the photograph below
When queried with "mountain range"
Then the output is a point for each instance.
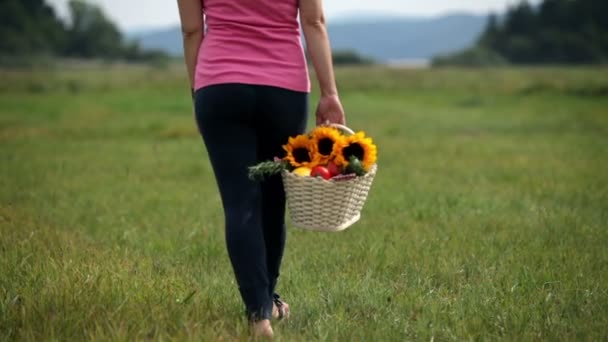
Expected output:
(383, 38)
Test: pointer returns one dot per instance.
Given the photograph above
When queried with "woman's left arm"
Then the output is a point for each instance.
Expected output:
(192, 23)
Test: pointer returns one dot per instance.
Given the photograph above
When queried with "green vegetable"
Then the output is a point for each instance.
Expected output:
(355, 166)
(266, 169)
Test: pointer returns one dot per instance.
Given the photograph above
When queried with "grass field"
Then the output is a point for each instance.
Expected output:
(488, 218)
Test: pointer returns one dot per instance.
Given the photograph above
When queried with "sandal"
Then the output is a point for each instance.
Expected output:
(282, 307)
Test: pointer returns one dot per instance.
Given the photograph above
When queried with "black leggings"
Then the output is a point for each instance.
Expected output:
(242, 125)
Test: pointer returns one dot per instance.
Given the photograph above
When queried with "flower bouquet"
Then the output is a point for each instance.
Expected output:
(326, 174)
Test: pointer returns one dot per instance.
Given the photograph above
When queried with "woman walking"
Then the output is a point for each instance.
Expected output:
(250, 87)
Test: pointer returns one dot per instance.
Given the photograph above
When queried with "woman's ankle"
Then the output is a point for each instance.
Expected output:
(262, 328)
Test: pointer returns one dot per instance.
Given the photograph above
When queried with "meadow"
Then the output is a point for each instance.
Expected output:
(488, 219)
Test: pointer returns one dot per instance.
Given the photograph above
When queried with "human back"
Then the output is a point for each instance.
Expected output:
(252, 42)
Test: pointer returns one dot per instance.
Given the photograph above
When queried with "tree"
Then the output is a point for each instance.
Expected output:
(91, 33)
(520, 19)
(490, 34)
(349, 57)
(557, 31)
(29, 27)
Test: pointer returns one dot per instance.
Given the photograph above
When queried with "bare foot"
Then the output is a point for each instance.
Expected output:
(263, 329)
(276, 310)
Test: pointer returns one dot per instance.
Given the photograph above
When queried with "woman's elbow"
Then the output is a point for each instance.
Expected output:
(314, 22)
(192, 31)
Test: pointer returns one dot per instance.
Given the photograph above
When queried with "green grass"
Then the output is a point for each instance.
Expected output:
(487, 220)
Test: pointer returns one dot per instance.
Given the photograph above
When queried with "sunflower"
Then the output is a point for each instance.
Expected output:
(358, 146)
(298, 152)
(324, 143)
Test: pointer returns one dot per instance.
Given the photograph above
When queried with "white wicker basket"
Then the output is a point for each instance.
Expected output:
(326, 205)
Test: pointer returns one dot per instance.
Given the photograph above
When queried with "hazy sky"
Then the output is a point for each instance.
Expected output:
(133, 14)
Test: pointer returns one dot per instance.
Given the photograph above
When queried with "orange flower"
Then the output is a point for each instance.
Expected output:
(358, 146)
(325, 141)
(299, 152)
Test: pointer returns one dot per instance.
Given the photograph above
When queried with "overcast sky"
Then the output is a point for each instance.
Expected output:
(135, 14)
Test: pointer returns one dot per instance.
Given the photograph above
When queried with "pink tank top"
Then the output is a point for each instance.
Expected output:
(252, 42)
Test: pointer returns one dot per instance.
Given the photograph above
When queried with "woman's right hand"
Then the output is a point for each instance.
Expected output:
(330, 110)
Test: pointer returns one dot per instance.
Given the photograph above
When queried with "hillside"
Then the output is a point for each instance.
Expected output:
(552, 32)
(383, 39)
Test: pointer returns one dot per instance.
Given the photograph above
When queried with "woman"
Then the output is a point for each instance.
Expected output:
(250, 88)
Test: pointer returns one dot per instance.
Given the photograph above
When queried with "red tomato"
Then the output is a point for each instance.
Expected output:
(334, 170)
(320, 171)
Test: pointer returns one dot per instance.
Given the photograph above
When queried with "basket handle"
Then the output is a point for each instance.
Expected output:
(340, 127)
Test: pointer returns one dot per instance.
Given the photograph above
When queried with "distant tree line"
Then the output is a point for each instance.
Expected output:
(32, 28)
(555, 32)
(349, 57)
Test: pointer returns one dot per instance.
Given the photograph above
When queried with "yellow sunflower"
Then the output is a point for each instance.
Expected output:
(359, 146)
(325, 141)
(298, 152)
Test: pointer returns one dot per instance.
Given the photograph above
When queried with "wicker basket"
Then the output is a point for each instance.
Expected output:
(326, 205)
